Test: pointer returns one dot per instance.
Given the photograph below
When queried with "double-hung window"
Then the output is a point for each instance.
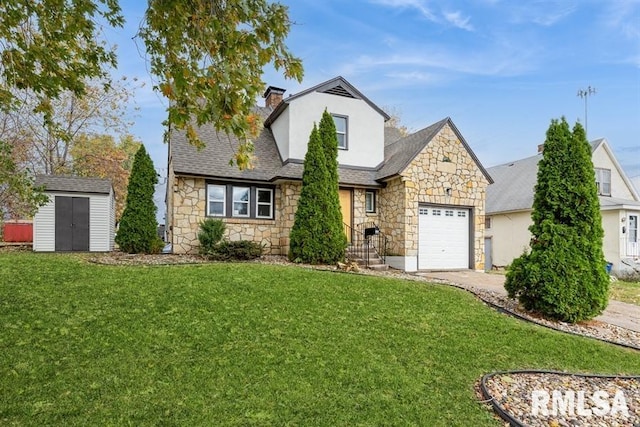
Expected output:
(264, 203)
(217, 196)
(603, 181)
(341, 130)
(240, 201)
(241, 197)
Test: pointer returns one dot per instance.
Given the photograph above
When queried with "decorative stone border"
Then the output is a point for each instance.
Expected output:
(516, 398)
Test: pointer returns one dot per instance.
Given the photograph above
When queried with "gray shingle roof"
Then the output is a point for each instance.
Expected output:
(513, 184)
(337, 85)
(74, 184)
(213, 159)
(399, 154)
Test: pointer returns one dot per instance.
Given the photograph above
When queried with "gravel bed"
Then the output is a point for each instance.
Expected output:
(556, 399)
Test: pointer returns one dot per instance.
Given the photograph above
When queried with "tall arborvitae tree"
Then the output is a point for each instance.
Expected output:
(564, 276)
(306, 242)
(137, 232)
(335, 239)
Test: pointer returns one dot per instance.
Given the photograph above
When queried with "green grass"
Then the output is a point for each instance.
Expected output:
(249, 344)
(625, 291)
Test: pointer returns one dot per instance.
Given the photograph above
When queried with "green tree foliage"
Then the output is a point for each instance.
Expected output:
(137, 232)
(104, 157)
(564, 276)
(306, 243)
(211, 233)
(317, 235)
(51, 46)
(336, 240)
(208, 57)
(18, 198)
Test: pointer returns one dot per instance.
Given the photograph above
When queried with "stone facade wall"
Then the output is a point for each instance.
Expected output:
(360, 214)
(392, 205)
(189, 201)
(189, 207)
(445, 164)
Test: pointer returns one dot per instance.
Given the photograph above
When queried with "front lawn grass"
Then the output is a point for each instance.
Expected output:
(250, 344)
(625, 291)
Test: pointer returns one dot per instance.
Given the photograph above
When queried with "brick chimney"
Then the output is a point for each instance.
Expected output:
(540, 148)
(273, 96)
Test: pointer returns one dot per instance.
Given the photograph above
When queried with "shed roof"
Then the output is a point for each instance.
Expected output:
(74, 184)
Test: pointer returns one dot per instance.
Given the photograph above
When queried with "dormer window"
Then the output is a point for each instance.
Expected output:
(603, 181)
(341, 130)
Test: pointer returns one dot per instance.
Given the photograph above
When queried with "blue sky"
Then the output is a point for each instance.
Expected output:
(501, 69)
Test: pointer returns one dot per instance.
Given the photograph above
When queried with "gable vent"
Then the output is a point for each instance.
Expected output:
(340, 91)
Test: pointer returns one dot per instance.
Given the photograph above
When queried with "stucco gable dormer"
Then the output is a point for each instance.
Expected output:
(360, 123)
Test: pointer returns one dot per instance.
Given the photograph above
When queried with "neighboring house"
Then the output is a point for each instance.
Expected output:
(425, 191)
(510, 199)
(79, 216)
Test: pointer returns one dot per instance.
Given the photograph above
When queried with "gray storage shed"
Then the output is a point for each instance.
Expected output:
(79, 216)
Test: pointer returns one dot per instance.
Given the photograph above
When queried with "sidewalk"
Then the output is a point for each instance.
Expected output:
(617, 313)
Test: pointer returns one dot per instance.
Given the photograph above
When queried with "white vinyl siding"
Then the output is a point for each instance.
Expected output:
(101, 222)
(44, 227)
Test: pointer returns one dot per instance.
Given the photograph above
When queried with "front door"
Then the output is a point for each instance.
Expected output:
(633, 248)
(72, 223)
(346, 207)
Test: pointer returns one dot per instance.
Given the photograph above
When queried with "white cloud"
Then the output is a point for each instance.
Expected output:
(457, 20)
(542, 12)
(419, 5)
(453, 18)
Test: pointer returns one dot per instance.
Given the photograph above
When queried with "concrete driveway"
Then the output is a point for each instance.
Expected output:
(617, 313)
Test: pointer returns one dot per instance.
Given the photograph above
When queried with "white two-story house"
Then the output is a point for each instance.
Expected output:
(425, 192)
(510, 201)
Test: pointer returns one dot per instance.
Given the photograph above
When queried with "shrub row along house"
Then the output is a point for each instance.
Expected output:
(424, 192)
(510, 199)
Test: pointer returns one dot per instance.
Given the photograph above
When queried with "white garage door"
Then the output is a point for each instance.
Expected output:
(443, 238)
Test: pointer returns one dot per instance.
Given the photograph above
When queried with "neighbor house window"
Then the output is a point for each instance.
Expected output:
(603, 181)
(370, 201)
(264, 203)
(487, 222)
(341, 131)
(216, 205)
(241, 201)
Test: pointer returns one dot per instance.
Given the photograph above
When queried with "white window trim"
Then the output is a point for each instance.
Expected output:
(633, 232)
(373, 201)
(270, 204)
(600, 172)
(224, 200)
(234, 201)
(345, 133)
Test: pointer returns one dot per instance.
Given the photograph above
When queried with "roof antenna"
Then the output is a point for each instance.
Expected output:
(585, 94)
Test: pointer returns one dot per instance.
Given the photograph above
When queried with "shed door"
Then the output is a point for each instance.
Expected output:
(443, 238)
(72, 223)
